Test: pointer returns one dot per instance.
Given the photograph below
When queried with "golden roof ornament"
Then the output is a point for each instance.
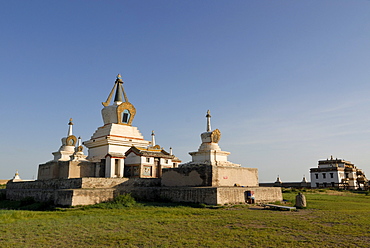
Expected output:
(119, 78)
(215, 136)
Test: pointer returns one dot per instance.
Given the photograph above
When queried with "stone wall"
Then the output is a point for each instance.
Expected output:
(296, 185)
(86, 191)
(40, 195)
(78, 183)
(75, 191)
(52, 184)
(90, 196)
(208, 175)
(2, 191)
(102, 183)
(70, 169)
(229, 176)
(207, 195)
(186, 177)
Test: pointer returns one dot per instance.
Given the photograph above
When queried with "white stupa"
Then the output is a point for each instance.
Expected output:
(16, 177)
(68, 145)
(209, 152)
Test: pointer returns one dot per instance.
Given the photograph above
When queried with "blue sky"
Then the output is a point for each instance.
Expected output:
(287, 82)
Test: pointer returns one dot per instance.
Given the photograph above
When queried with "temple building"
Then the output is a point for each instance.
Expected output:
(148, 162)
(121, 161)
(337, 173)
(111, 148)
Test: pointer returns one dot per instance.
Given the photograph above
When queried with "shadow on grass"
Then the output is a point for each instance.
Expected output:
(174, 204)
(26, 204)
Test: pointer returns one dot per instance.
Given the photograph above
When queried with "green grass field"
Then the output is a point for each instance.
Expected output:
(332, 219)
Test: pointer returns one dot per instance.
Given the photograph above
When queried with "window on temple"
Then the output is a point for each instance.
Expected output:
(317, 176)
(147, 160)
(323, 175)
(331, 175)
(125, 116)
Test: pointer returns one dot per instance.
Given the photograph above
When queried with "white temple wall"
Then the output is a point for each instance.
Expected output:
(163, 161)
(143, 160)
(96, 153)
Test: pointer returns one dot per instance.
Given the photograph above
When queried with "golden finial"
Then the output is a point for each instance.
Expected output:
(70, 121)
(119, 78)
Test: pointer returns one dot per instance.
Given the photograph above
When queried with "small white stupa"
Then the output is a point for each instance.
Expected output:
(209, 152)
(304, 180)
(79, 155)
(16, 177)
(209, 166)
(68, 145)
(278, 180)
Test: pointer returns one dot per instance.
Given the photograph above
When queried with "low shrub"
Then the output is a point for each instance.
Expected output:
(27, 203)
(125, 200)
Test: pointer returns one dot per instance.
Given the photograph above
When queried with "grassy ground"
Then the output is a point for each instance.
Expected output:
(332, 219)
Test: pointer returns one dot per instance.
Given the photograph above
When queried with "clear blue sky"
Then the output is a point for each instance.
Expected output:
(287, 82)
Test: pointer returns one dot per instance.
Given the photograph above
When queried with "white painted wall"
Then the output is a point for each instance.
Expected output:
(337, 178)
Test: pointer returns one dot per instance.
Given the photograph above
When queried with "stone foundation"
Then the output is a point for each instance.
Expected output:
(209, 175)
(297, 185)
(87, 191)
(70, 169)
